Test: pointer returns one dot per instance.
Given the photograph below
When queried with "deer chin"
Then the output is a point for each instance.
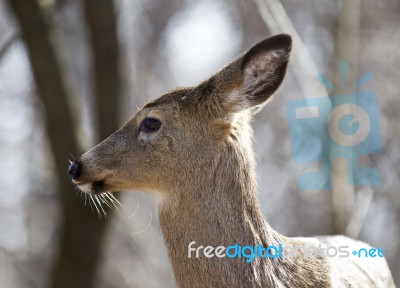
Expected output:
(95, 187)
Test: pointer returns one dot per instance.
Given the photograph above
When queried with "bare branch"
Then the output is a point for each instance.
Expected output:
(302, 65)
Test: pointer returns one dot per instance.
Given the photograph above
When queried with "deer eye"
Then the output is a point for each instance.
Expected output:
(150, 125)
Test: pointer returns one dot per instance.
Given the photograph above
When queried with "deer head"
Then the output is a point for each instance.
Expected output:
(176, 139)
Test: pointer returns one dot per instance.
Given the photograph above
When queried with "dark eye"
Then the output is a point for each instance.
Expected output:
(150, 125)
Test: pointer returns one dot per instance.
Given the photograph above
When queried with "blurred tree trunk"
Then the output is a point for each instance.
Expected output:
(101, 22)
(81, 231)
(159, 16)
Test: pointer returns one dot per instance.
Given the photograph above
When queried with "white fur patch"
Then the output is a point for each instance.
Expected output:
(237, 100)
(87, 187)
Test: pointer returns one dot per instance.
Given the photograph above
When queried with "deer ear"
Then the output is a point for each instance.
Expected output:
(249, 80)
(264, 67)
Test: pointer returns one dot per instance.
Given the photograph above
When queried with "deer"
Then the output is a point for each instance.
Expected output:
(193, 148)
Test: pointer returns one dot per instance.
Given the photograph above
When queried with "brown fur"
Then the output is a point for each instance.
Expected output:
(201, 163)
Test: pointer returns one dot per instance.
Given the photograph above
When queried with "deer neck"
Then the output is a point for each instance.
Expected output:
(219, 208)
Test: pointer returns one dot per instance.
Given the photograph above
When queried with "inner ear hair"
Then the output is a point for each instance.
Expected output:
(264, 67)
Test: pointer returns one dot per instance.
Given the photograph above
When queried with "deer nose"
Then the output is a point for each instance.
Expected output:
(74, 170)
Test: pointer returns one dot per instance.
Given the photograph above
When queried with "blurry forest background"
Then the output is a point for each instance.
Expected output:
(72, 71)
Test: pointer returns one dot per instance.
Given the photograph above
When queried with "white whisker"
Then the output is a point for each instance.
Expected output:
(94, 203)
(101, 206)
(105, 201)
(90, 203)
(113, 199)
